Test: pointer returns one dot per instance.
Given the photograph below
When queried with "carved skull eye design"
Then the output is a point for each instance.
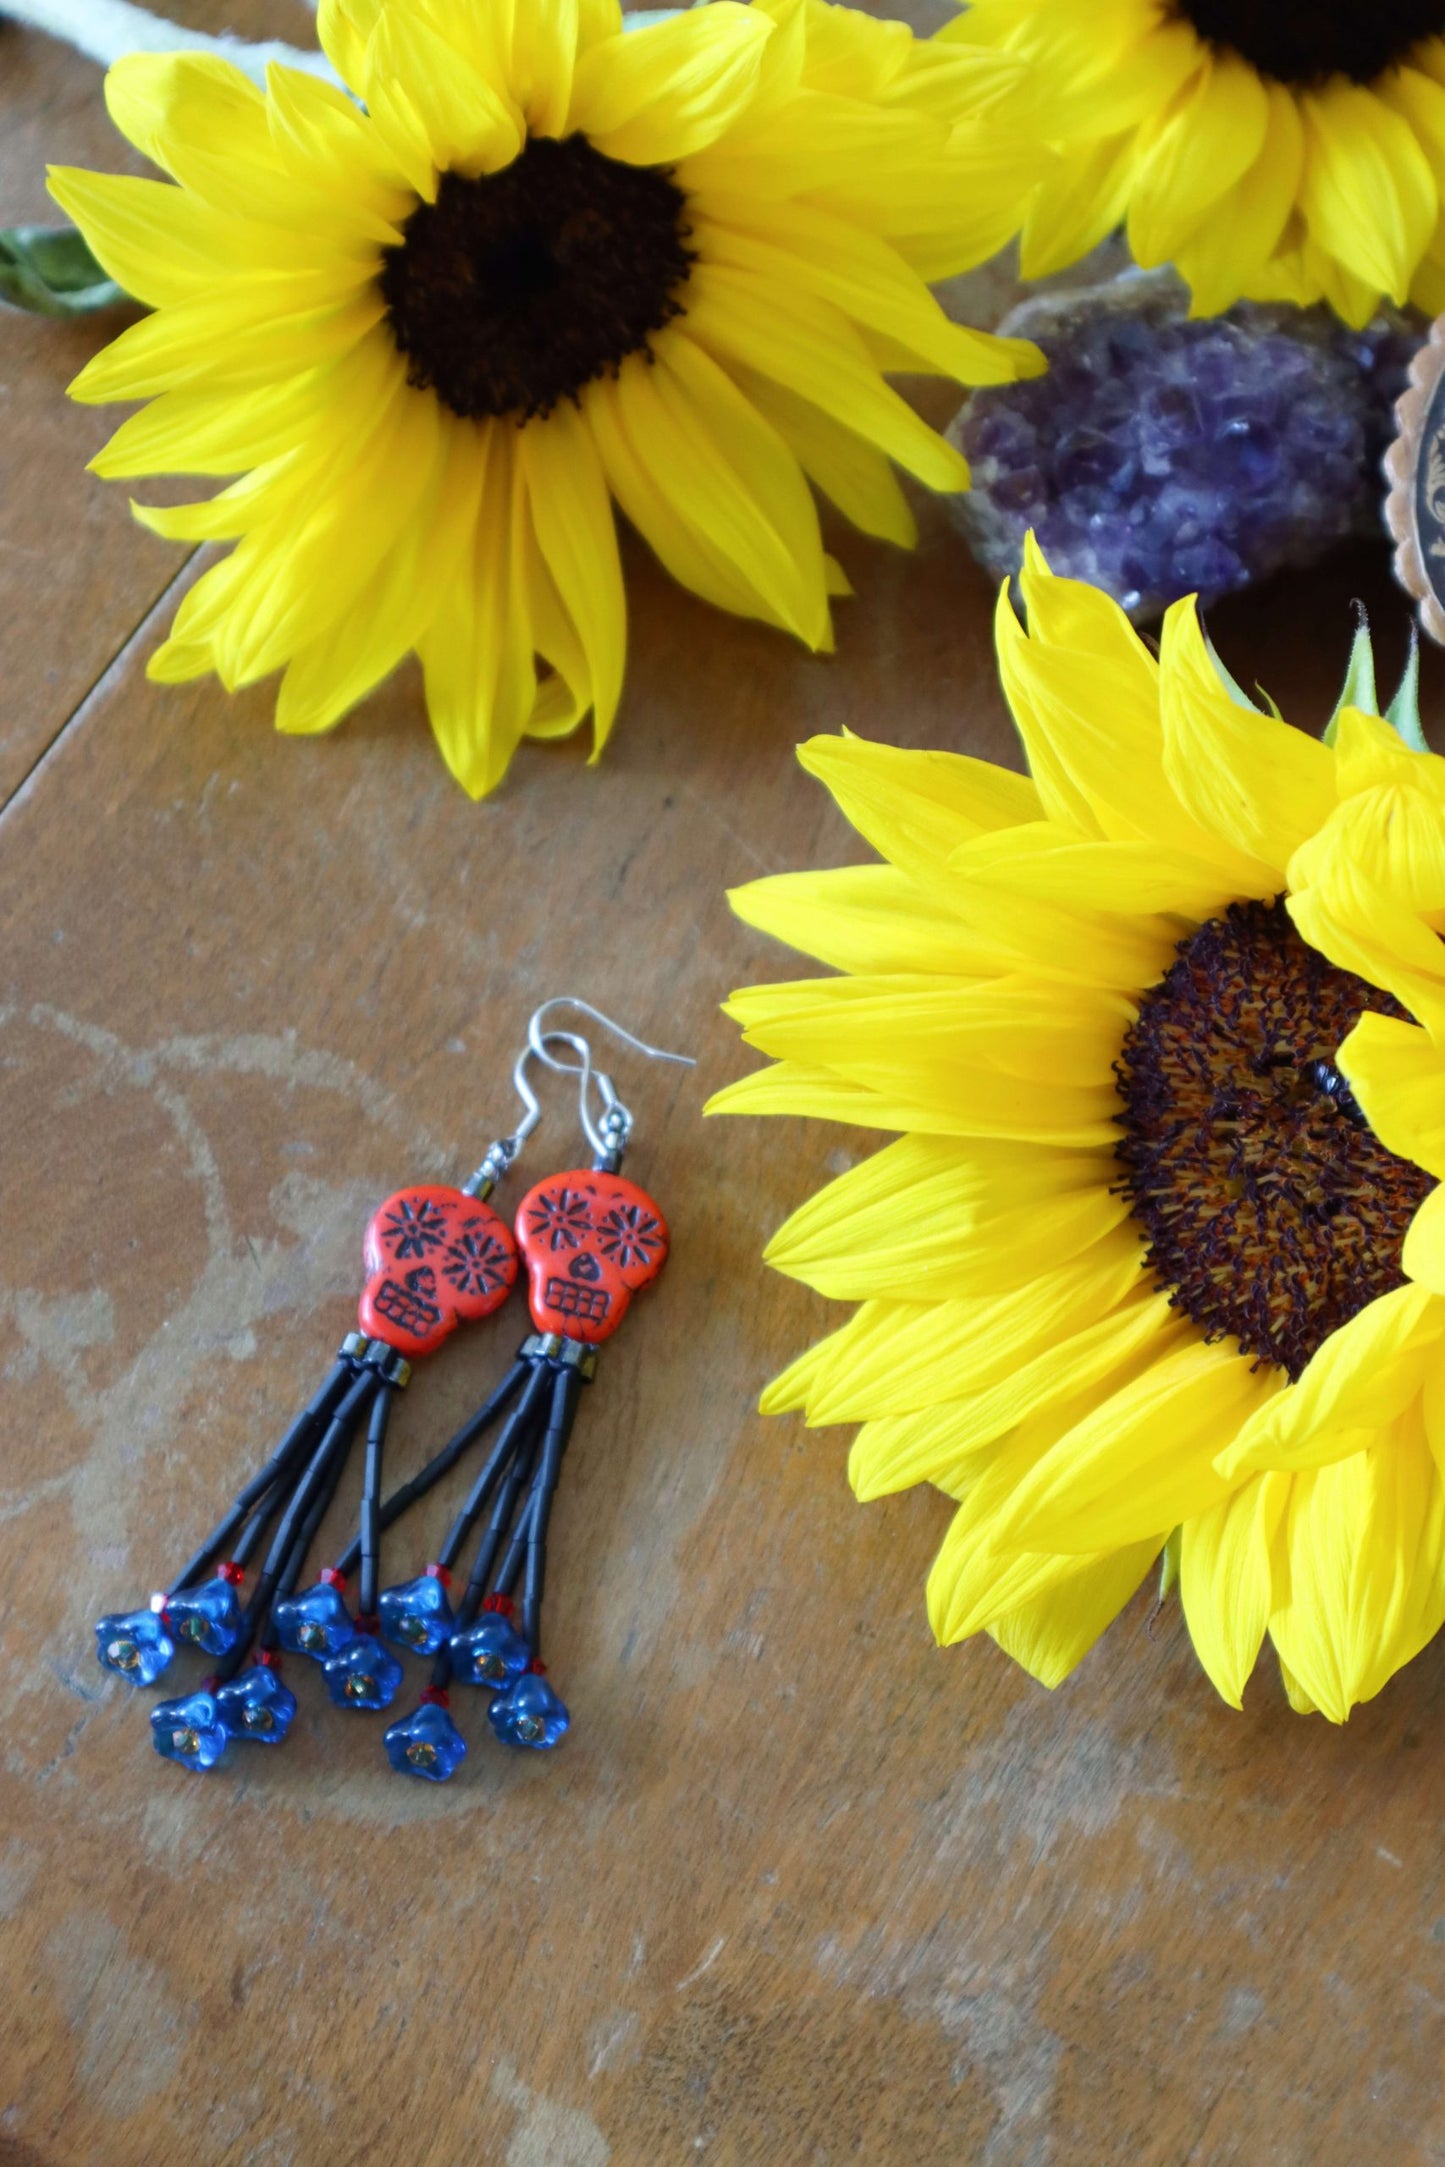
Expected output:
(413, 1226)
(631, 1235)
(480, 1261)
(561, 1218)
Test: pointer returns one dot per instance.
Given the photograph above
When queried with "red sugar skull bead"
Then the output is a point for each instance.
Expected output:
(591, 1241)
(435, 1258)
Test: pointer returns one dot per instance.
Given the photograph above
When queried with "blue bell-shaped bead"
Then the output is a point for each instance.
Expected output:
(363, 1674)
(189, 1730)
(416, 1615)
(257, 1705)
(207, 1616)
(529, 1713)
(491, 1653)
(426, 1743)
(316, 1622)
(135, 1645)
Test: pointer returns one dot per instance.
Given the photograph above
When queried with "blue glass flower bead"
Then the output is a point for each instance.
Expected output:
(363, 1674)
(189, 1730)
(316, 1622)
(257, 1705)
(529, 1713)
(135, 1645)
(426, 1743)
(416, 1615)
(208, 1616)
(491, 1653)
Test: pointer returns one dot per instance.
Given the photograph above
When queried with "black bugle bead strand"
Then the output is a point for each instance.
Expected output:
(283, 1462)
(412, 1491)
(507, 1572)
(258, 1620)
(333, 1447)
(520, 1438)
(249, 1540)
(305, 1536)
(489, 1475)
(566, 1393)
(370, 1529)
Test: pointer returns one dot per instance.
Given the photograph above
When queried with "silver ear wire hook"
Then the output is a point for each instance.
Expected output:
(537, 1033)
(609, 1131)
(500, 1155)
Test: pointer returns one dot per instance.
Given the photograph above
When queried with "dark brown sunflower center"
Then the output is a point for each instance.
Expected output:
(1302, 41)
(511, 292)
(1273, 1212)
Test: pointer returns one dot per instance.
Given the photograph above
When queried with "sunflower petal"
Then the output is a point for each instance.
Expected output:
(1366, 1373)
(1144, 1459)
(572, 517)
(1050, 1636)
(1226, 1580)
(667, 89)
(1365, 1540)
(1397, 1074)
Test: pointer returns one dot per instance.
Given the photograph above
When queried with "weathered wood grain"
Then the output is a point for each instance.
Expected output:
(799, 1889)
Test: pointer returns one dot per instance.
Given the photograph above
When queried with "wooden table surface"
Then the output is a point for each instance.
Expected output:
(799, 1888)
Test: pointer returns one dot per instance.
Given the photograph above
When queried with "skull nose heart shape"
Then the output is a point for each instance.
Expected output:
(591, 1241)
(435, 1258)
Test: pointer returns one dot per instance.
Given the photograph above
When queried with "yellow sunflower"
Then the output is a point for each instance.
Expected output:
(1158, 1256)
(1271, 149)
(544, 264)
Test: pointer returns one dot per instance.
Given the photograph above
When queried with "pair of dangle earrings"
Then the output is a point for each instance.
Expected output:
(435, 1257)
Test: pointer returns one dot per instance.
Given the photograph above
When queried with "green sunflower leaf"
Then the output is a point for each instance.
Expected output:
(1403, 712)
(1231, 685)
(1358, 689)
(50, 271)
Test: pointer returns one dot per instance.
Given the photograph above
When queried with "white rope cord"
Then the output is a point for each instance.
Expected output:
(105, 30)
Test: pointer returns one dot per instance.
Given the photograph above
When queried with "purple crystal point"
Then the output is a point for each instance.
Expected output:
(1164, 455)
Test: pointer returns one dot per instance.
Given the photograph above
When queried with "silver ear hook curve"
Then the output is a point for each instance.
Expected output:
(537, 1033)
(610, 1131)
(501, 1154)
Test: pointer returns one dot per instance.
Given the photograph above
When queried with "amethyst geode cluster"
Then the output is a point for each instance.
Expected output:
(1163, 455)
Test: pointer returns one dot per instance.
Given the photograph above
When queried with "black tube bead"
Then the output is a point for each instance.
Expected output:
(400, 1500)
(566, 1394)
(370, 1532)
(330, 1453)
(286, 1458)
(284, 1565)
(305, 1536)
(520, 1438)
(490, 1474)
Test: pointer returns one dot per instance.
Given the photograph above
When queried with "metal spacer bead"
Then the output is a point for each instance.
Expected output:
(566, 1353)
(353, 1347)
(385, 1360)
(496, 1163)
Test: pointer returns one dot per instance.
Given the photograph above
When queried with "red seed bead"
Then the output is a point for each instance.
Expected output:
(368, 1625)
(269, 1658)
(228, 1569)
(331, 1578)
(538, 1665)
(437, 1695)
(502, 1604)
(439, 1572)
